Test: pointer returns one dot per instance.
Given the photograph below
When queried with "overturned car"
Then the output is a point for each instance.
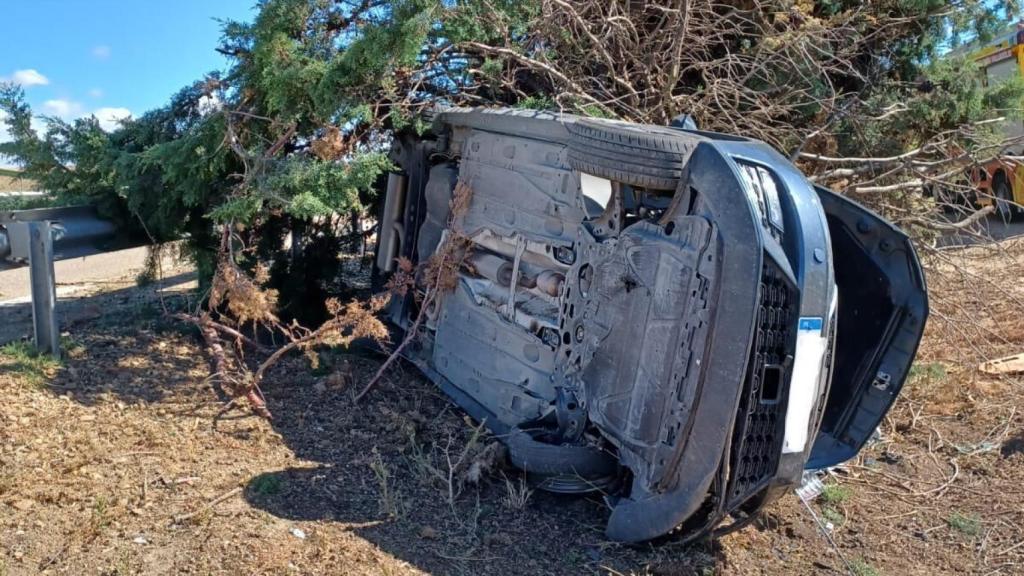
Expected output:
(675, 318)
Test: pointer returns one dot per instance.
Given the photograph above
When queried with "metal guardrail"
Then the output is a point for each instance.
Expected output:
(39, 237)
(44, 288)
(77, 231)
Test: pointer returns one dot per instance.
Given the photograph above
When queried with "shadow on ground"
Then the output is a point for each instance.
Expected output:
(404, 470)
(113, 344)
(383, 472)
(87, 310)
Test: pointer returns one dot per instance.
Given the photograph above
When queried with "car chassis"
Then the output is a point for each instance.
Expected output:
(676, 318)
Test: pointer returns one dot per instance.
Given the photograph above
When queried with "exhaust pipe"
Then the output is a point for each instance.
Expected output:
(494, 268)
(550, 282)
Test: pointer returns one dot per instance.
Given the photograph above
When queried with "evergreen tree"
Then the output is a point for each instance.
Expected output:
(293, 136)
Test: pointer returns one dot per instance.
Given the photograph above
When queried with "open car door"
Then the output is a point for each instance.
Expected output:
(883, 305)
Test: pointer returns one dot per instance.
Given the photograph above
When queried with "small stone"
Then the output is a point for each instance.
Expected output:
(139, 539)
(298, 533)
(428, 533)
(23, 504)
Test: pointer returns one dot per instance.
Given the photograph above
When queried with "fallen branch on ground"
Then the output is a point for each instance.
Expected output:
(208, 506)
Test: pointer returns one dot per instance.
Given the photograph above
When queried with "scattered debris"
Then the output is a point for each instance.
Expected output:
(298, 533)
(1006, 365)
(211, 504)
(489, 459)
(22, 504)
(811, 487)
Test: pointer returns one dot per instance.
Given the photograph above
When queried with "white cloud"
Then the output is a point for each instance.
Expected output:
(96, 93)
(102, 52)
(110, 118)
(28, 77)
(68, 110)
(65, 109)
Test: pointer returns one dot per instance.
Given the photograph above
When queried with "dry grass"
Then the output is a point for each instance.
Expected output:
(10, 182)
(517, 493)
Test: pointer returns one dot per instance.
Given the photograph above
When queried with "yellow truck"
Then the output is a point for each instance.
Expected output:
(1002, 179)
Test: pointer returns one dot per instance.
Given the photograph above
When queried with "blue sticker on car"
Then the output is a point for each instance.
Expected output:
(810, 324)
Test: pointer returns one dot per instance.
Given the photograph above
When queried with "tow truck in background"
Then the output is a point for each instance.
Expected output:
(1001, 180)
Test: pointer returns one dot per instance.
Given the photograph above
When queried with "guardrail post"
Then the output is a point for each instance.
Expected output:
(44, 290)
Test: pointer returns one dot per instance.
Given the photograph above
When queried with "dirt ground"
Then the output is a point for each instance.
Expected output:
(9, 181)
(113, 463)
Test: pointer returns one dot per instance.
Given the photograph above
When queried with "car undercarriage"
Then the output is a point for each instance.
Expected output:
(673, 318)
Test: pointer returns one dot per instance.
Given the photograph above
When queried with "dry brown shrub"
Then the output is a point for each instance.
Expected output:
(462, 196)
(403, 279)
(441, 270)
(353, 320)
(244, 301)
(330, 146)
(244, 297)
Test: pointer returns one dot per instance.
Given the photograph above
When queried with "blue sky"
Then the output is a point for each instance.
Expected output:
(110, 57)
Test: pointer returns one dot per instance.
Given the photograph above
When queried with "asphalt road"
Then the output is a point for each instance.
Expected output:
(73, 272)
(994, 228)
(1001, 231)
(86, 288)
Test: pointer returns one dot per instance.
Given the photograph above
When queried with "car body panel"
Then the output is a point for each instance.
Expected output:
(688, 333)
(883, 306)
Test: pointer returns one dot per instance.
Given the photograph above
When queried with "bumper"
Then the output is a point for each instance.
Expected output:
(750, 424)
